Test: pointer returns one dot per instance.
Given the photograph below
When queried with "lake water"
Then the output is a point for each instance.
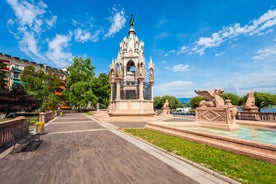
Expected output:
(267, 136)
(268, 109)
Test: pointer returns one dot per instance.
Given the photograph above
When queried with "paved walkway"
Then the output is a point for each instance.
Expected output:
(78, 149)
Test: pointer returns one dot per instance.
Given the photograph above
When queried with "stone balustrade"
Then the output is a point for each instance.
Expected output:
(6, 127)
(257, 116)
(45, 116)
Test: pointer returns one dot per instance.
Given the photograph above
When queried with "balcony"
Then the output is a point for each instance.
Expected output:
(5, 61)
(58, 93)
(5, 69)
(17, 81)
(15, 69)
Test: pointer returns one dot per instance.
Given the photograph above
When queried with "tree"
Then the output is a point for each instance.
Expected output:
(101, 89)
(264, 99)
(194, 102)
(157, 102)
(242, 100)
(2, 76)
(80, 83)
(173, 102)
(16, 100)
(42, 86)
(234, 98)
(33, 83)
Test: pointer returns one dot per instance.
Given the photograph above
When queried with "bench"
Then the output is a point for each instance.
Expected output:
(22, 136)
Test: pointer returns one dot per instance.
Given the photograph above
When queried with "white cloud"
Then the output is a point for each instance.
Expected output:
(58, 51)
(31, 20)
(265, 53)
(117, 20)
(29, 45)
(84, 35)
(170, 52)
(174, 88)
(180, 68)
(254, 27)
(182, 49)
(162, 35)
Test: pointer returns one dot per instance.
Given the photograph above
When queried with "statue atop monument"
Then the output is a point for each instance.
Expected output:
(250, 103)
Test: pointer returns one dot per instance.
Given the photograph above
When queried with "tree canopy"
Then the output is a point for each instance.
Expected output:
(264, 99)
(173, 102)
(80, 83)
(194, 102)
(16, 100)
(2, 76)
(234, 98)
(41, 85)
(102, 89)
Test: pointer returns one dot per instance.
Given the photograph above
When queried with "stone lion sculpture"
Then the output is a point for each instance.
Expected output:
(250, 102)
(166, 104)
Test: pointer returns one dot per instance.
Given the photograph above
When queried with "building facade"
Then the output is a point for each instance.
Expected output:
(14, 66)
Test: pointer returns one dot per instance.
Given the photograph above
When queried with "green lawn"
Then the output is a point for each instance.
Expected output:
(240, 168)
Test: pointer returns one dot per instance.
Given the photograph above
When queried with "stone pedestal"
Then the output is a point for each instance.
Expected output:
(131, 108)
(250, 109)
(166, 111)
(217, 117)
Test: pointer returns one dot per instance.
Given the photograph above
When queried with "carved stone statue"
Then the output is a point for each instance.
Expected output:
(214, 98)
(214, 112)
(166, 104)
(250, 102)
(166, 109)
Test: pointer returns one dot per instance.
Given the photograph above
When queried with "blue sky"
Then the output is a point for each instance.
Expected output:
(194, 44)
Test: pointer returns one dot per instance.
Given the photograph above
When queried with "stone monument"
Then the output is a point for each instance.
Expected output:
(131, 95)
(166, 109)
(250, 103)
(214, 112)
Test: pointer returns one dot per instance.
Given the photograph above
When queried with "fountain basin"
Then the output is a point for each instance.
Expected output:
(258, 150)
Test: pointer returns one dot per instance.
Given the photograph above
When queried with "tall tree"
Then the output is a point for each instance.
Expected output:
(101, 89)
(173, 102)
(2, 76)
(234, 98)
(194, 102)
(16, 100)
(33, 82)
(80, 83)
(42, 86)
(264, 99)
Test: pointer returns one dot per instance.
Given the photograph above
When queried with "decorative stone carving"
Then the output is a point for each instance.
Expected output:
(166, 109)
(250, 103)
(215, 112)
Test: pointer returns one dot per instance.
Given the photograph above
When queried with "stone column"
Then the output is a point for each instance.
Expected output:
(151, 91)
(141, 87)
(111, 91)
(118, 94)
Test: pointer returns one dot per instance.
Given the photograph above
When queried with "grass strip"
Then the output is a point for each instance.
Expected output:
(240, 168)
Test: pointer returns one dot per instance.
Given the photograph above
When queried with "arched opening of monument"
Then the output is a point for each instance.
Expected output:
(131, 73)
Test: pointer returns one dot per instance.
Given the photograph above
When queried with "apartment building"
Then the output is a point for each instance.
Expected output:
(14, 66)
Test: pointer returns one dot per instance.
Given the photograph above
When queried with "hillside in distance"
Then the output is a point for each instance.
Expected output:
(184, 100)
